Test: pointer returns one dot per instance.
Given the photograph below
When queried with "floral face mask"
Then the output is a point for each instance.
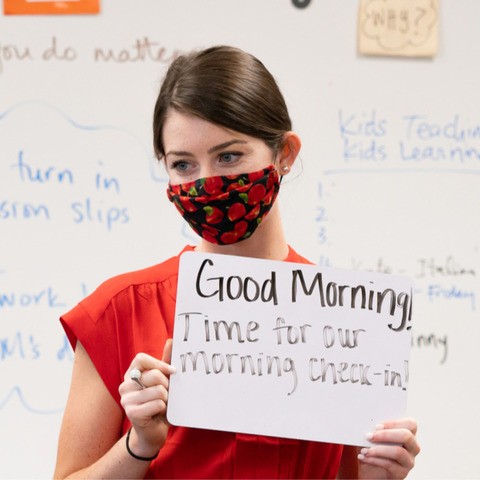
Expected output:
(226, 209)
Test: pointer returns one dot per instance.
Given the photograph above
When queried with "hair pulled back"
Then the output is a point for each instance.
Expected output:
(226, 86)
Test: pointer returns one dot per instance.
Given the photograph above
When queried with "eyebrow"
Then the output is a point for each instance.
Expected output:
(216, 148)
(225, 145)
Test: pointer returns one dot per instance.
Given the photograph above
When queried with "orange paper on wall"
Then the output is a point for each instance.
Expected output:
(42, 7)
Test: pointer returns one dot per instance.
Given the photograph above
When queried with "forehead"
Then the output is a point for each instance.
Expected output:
(183, 130)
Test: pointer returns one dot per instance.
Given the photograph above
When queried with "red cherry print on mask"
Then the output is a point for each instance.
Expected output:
(241, 228)
(240, 187)
(210, 229)
(214, 215)
(256, 194)
(236, 211)
(269, 196)
(209, 237)
(253, 176)
(229, 237)
(233, 186)
(213, 185)
(272, 179)
(222, 197)
(232, 177)
(176, 189)
(187, 205)
(202, 199)
(253, 213)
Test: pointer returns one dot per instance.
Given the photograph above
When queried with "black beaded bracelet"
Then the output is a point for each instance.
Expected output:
(138, 457)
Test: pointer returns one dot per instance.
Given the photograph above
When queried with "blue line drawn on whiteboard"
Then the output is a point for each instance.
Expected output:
(45, 296)
(20, 346)
(155, 175)
(439, 291)
(50, 174)
(70, 120)
(16, 393)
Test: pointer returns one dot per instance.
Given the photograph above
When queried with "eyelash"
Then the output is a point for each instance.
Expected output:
(232, 154)
(177, 163)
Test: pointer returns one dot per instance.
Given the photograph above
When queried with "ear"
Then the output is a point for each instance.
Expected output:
(288, 152)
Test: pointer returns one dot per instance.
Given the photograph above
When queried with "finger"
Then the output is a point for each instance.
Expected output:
(167, 351)
(402, 438)
(134, 400)
(140, 397)
(127, 386)
(154, 377)
(399, 436)
(394, 469)
(143, 361)
(392, 453)
(143, 414)
(408, 423)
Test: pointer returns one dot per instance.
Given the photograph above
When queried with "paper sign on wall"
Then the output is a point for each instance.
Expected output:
(288, 350)
(407, 28)
(45, 7)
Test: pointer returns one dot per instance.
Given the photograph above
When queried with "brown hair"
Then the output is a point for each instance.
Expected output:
(226, 86)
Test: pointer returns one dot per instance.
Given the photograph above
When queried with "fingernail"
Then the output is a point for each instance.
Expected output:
(364, 451)
(380, 426)
(360, 456)
(172, 369)
(369, 436)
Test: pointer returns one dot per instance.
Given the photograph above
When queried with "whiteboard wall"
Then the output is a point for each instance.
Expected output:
(82, 198)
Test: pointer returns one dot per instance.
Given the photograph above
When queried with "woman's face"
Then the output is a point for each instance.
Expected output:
(196, 148)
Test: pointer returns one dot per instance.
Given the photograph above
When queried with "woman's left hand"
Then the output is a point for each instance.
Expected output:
(393, 452)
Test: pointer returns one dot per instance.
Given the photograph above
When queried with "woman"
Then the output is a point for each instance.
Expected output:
(222, 128)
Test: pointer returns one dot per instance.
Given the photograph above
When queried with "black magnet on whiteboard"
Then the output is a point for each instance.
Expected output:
(301, 3)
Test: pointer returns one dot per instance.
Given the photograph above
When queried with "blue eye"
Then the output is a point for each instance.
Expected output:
(229, 157)
(180, 165)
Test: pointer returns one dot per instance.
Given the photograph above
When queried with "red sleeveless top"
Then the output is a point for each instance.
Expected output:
(134, 313)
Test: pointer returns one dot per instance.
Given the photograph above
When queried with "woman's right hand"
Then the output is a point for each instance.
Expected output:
(146, 407)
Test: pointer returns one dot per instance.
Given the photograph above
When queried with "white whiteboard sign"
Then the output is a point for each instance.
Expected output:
(288, 350)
